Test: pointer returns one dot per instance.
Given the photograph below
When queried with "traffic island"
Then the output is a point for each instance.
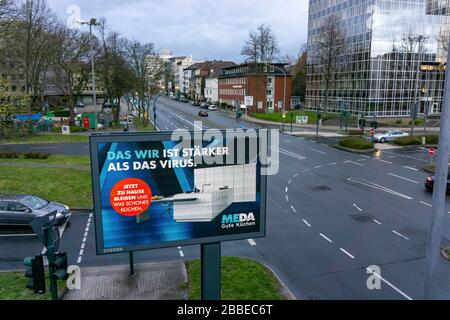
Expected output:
(356, 145)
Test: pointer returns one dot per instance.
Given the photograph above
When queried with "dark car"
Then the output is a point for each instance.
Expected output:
(196, 104)
(21, 209)
(429, 183)
(202, 113)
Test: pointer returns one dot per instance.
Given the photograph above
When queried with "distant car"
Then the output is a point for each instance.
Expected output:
(79, 105)
(429, 183)
(204, 105)
(388, 136)
(184, 100)
(202, 113)
(196, 103)
(21, 209)
(212, 108)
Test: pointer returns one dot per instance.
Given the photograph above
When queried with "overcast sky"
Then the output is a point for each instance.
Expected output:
(207, 29)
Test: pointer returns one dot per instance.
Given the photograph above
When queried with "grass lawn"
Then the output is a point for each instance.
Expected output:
(46, 138)
(140, 126)
(53, 159)
(68, 186)
(242, 279)
(277, 116)
(13, 287)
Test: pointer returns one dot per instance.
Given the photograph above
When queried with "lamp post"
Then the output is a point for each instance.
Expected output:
(90, 23)
(285, 83)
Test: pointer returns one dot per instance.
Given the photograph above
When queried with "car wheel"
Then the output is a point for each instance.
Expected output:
(383, 140)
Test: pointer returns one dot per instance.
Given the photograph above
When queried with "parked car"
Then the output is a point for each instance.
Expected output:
(388, 136)
(204, 105)
(196, 103)
(429, 183)
(21, 209)
(212, 108)
(203, 113)
(184, 100)
(79, 105)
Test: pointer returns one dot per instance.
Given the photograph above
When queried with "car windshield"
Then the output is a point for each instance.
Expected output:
(35, 202)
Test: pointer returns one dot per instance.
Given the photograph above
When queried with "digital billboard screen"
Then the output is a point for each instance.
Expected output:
(157, 190)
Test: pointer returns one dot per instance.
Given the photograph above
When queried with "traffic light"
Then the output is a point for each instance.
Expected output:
(60, 266)
(36, 273)
(362, 123)
(374, 124)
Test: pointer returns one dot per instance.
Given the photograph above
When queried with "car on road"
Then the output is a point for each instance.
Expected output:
(212, 108)
(21, 209)
(196, 104)
(79, 105)
(184, 100)
(204, 105)
(388, 136)
(429, 183)
(202, 113)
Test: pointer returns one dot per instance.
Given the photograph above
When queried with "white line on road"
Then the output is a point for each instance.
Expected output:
(332, 164)
(287, 189)
(251, 242)
(305, 170)
(287, 198)
(378, 187)
(389, 284)
(289, 153)
(403, 178)
(409, 168)
(306, 222)
(347, 253)
(353, 162)
(377, 222)
(426, 204)
(181, 253)
(318, 151)
(400, 235)
(296, 175)
(317, 167)
(293, 209)
(290, 181)
(385, 161)
(326, 238)
(358, 208)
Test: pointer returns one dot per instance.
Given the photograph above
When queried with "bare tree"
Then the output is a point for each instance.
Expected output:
(261, 46)
(72, 69)
(330, 44)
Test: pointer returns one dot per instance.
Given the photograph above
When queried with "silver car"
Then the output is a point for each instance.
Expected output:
(22, 209)
(389, 136)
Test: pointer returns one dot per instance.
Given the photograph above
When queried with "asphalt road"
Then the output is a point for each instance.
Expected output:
(331, 215)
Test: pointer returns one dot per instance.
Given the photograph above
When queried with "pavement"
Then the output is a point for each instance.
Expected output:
(331, 215)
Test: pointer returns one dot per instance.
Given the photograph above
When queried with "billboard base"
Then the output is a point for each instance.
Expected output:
(210, 271)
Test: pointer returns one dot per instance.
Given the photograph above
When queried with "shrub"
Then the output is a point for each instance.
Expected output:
(408, 141)
(432, 139)
(399, 121)
(9, 155)
(36, 155)
(62, 114)
(356, 143)
(354, 132)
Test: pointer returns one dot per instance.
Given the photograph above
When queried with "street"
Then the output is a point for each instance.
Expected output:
(331, 214)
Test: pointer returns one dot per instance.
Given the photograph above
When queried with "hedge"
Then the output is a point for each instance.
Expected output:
(356, 143)
(408, 141)
(432, 139)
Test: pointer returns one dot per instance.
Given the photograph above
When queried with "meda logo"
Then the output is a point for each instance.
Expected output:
(238, 218)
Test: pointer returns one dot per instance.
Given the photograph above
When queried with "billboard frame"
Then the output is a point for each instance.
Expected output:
(96, 139)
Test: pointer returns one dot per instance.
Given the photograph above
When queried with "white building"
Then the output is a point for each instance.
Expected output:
(157, 64)
(178, 65)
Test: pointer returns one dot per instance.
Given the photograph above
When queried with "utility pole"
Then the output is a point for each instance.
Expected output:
(439, 196)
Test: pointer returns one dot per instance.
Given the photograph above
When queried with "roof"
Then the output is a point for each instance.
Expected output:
(214, 64)
(14, 196)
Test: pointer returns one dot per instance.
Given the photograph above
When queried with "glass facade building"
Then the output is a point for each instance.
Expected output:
(393, 58)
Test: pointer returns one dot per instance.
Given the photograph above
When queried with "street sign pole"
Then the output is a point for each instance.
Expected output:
(439, 198)
(210, 271)
(131, 260)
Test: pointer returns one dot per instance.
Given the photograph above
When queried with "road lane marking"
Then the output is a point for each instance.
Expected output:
(287, 189)
(305, 170)
(326, 238)
(377, 222)
(318, 151)
(385, 161)
(403, 178)
(293, 209)
(400, 235)
(324, 144)
(287, 198)
(353, 162)
(296, 175)
(378, 187)
(317, 167)
(332, 164)
(426, 204)
(358, 208)
(181, 253)
(409, 168)
(290, 181)
(306, 222)
(389, 284)
(251, 242)
(347, 253)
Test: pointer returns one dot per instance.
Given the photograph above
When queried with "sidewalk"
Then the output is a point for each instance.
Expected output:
(152, 281)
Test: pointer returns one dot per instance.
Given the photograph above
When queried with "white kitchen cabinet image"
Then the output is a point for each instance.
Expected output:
(215, 190)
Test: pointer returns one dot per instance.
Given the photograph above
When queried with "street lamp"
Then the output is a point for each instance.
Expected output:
(90, 23)
(285, 83)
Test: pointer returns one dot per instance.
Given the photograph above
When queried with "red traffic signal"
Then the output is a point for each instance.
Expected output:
(431, 152)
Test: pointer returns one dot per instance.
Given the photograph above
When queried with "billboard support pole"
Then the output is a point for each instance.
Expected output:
(210, 270)
(131, 259)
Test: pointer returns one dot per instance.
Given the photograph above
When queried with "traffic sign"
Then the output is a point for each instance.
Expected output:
(372, 131)
(432, 152)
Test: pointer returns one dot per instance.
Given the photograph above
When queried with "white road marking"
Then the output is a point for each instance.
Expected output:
(353, 162)
(409, 168)
(287, 189)
(324, 144)
(79, 260)
(403, 178)
(290, 181)
(307, 223)
(251, 242)
(347, 253)
(385, 161)
(326, 238)
(296, 175)
(389, 284)
(318, 151)
(181, 253)
(426, 204)
(289, 153)
(358, 208)
(317, 167)
(305, 170)
(400, 235)
(332, 164)
(378, 187)
(377, 222)
(287, 198)
(293, 209)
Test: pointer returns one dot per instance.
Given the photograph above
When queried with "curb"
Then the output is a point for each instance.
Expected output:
(285, 291)
(81, 210)
(367, 151)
